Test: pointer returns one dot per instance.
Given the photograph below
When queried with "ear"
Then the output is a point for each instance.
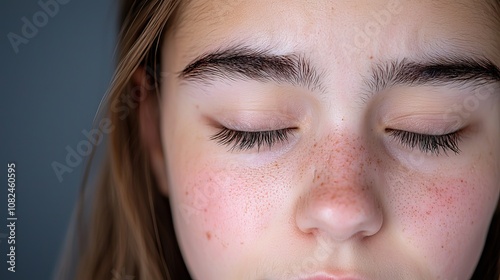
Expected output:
(149, 126)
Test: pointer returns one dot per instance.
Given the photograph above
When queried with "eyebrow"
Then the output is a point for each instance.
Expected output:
(437, 71)
(244, 63)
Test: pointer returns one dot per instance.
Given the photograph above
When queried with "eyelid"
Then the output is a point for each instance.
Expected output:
(254, 121)
(251, 126)
(421, 110)
(426, 124)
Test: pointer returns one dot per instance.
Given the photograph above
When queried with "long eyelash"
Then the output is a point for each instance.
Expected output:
(429, 143)
(245, 140)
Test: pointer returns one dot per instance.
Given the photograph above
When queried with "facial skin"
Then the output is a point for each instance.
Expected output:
(342, 197)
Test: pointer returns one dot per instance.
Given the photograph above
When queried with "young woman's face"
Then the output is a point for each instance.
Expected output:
(332, 139)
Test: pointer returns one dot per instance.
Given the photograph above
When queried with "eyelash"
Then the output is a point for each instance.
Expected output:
(428, 143)
(246, 140)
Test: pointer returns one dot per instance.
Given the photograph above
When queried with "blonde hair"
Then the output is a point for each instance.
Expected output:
(130, 230)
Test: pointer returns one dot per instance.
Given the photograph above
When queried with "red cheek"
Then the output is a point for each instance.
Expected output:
(433, 208)
(232, 202)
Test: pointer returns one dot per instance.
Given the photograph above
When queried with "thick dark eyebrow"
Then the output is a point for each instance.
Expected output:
(442, 71)
(244, 63)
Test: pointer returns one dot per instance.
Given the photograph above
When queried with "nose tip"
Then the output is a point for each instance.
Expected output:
(340, 213)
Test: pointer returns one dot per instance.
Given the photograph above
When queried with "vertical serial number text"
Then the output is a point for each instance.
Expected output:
(11, 218)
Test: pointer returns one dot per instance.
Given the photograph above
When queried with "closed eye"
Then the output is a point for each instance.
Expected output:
(246, 140)
(426, 143)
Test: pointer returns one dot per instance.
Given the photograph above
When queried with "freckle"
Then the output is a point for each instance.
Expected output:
(209, 235)
(187, 193)
(371, 57)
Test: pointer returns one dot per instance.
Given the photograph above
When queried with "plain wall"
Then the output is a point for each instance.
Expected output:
(50, 91)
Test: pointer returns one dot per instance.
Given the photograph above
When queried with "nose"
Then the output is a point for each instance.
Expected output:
(339, 203)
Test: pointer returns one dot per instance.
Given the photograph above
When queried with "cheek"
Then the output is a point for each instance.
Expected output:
(225, 208)
(444, 219)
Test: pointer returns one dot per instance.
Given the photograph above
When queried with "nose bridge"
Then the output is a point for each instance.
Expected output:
(339, 200)
(341, 174)
(340, 160)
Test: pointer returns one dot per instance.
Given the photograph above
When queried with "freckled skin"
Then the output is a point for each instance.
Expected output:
(340, 197)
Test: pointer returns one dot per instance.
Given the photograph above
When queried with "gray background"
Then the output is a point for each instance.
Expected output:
(50, 91)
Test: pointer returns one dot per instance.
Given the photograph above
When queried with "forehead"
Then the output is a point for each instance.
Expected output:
(389, 26)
